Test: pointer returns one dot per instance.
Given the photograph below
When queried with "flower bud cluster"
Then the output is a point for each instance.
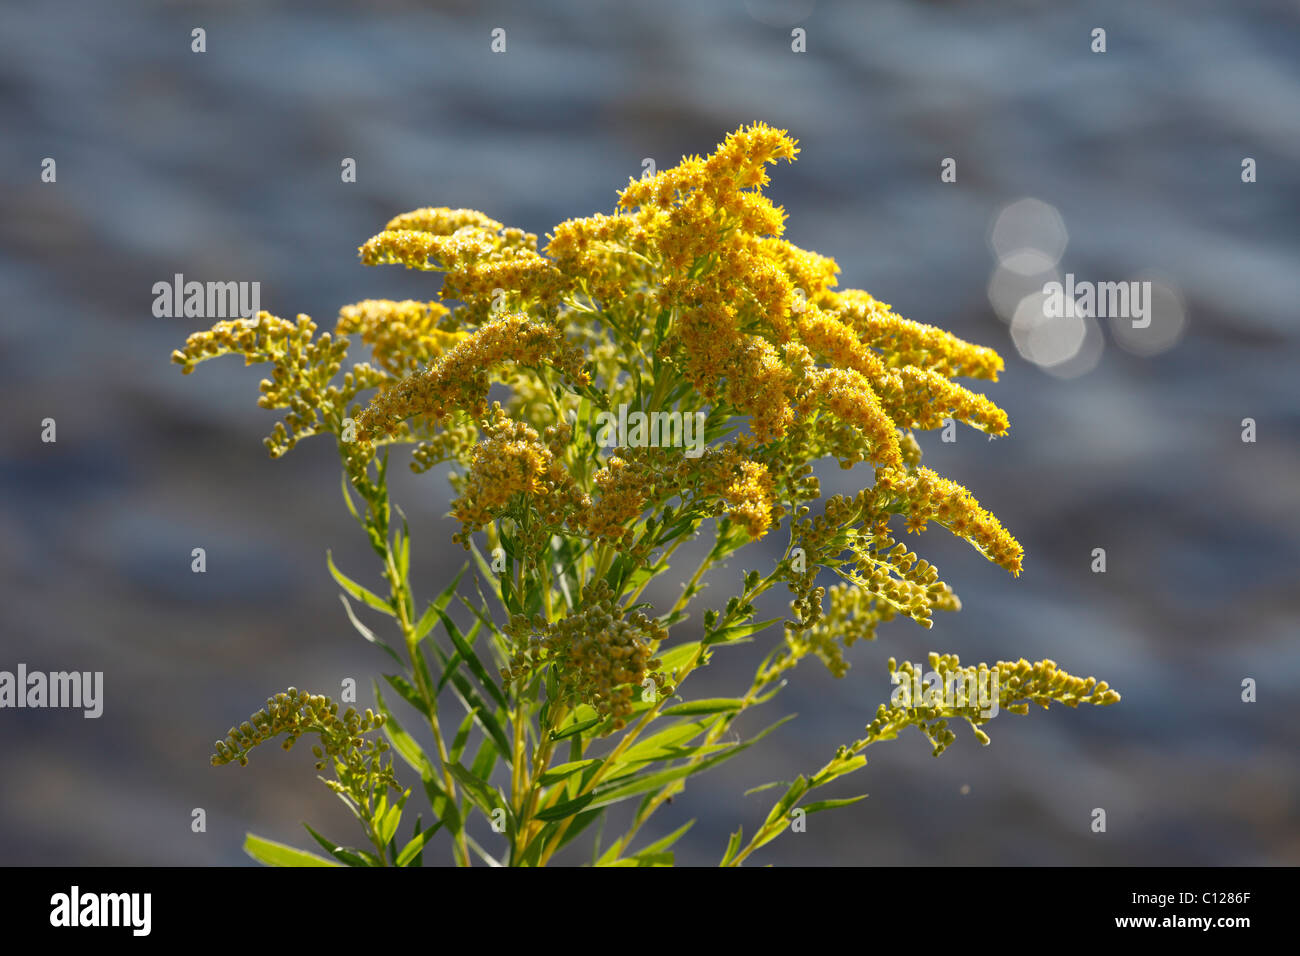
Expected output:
(599, 655)
(1018, 684)
(295, 713)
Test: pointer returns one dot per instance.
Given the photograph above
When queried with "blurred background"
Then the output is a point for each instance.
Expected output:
(225, 165)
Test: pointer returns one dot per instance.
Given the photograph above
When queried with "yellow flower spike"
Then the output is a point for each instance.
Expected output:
(513, 461)
(912, 343)
(403, 336)
(425, 250)
(441, 221)
(460, 379)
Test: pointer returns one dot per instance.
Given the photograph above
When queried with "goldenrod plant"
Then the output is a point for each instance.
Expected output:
(673, 369)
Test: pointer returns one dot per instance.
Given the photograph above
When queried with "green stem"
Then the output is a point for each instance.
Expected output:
(401, 596)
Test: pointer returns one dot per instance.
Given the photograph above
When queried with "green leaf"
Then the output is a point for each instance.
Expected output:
(623, 788)
(425, 624)
(356, 590)
(473, 703)
(462, 736)
(667, 742)
(430, 615)
(387, 824)
(484, 796)
(483, 854)
(658, 847)
(344, 854)
(733, 847)
(569, 729)
(408, 693)
(270, 853)
(646, 859)
(404, 550)
(788, 800)
(365, 632)
(737, 632)
(485, 569)
(821, 805)
(472, 661)
(444, 808)
(713, 705)
(677, 657)
(503, 645)
(578, 824)
(485, 759)
(654, 781)
(415, 847)
(566, 808)
(838, 768)
(481, 612)
(347, 498)
(449, 667)
(509, 599)
(402, 742)
(560, 771)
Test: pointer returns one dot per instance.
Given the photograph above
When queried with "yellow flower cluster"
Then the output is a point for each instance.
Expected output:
(739, 163)
(512, 460)
(482, 258)
(261, 339)
(622, 488)
(403, 336)
(905, 342)
(426, 250)
(295, 713)
(692, 268)
(1019, 684)
(752, 313)
(673, 363)
(744, 486)
(852, 616)
(526, 277)
(451, 440)
(888, 575)
(600, 655)
(441, 221)
(850, 400)
(1044, 682)
(460, 378)
(924, 496)
(606, 255)
(722, 481)
(686, 298)
(362, 769)
(301, 371)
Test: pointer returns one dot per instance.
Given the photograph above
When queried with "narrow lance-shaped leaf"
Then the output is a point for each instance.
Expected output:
(365, 632)
(344, 854)
(356, 590)
(280, 854)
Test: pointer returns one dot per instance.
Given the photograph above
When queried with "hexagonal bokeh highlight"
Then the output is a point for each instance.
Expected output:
(1028, 226)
